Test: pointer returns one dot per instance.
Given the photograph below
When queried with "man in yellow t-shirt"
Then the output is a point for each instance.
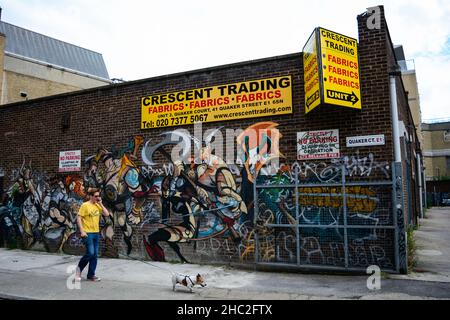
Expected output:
(88, 220)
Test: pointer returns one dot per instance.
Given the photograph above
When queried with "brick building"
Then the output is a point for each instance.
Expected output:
(344, 212)
(436, 154)
(436, 150)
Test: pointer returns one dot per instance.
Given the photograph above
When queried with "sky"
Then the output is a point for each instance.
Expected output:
(146, 38)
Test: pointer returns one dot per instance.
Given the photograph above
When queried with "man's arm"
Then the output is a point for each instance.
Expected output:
(80, 227)
(105, 211)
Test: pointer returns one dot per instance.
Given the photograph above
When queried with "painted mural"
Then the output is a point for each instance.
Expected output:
(40, 209)
(199, 207)
(203, 191)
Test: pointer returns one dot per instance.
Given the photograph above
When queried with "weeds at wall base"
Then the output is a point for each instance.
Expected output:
(412, 248)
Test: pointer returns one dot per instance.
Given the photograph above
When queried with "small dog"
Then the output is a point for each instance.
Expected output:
(187, 281)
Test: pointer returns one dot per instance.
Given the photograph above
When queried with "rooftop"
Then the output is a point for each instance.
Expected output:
(35, 46)
(439, 124)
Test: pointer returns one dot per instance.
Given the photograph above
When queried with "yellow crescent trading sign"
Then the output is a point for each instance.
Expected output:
(250, 99)
(336, 81)
(311, 74)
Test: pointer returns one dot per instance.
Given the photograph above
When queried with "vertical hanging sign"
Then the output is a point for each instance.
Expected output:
(337, 75)
(311, 73)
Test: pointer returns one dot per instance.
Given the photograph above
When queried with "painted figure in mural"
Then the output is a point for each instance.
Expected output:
(176, 194)
(260, 145)
(40, 209)
(123, 187)
(88, 220)
(218, 189)
(9, 229)
(60, 207)
(197, 188)
(26, 196)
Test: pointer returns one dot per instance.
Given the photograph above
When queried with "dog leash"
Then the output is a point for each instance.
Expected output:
(151, 264)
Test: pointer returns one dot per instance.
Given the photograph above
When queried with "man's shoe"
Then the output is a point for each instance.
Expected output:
(94, 279)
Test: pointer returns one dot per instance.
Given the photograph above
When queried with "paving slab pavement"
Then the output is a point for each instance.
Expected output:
(433, 247)
(38, 275)
(41, 275)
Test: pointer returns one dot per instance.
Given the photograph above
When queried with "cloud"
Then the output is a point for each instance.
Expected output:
(434, 95)
(423, 28)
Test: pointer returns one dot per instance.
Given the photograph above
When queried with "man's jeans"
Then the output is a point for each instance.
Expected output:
(91, 242)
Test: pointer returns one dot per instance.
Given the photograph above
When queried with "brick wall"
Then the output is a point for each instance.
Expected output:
(2, 61)
(109, 116)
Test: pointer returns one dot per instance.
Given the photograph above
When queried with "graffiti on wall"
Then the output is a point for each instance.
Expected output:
(198, 200)
(37, 208)
(203, 191)
(124, 189)
(321, 214)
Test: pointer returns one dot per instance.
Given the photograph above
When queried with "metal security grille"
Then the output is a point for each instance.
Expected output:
(335, 221)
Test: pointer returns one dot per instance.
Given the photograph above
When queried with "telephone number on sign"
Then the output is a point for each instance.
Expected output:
(181, 120)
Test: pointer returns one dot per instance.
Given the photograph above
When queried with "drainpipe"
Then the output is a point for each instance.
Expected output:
(394, 116)
(400, 228)
(419, 177)
(424, 183)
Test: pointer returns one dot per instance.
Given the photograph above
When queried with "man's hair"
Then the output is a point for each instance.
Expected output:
(92, 191)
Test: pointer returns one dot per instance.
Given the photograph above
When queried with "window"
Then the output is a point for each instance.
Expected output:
(447, 136)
